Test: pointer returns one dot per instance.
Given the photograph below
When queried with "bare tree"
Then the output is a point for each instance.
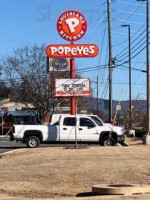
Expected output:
(25, 71)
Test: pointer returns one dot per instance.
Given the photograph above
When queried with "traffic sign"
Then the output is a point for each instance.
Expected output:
(71, 25)
(118, 107)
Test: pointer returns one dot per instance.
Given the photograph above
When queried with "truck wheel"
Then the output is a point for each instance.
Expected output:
(108, 141)
(33, 142)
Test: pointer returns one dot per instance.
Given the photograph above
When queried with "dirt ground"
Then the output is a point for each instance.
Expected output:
(69, 173)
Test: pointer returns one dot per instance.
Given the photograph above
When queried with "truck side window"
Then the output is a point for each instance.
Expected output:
(86, 122)
(69, 121)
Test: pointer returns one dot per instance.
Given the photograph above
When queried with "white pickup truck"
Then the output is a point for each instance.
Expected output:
(68, 128)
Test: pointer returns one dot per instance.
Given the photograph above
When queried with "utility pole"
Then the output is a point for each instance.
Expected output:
(146, 138)
(110, 58)
(130, 100)
(148, 71)
(72, 75)
(97, 96)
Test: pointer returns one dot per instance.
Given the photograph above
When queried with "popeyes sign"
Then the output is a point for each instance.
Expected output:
(71, 26)
(72, 50)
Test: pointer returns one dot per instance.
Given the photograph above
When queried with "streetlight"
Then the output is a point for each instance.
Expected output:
(148, 71)
(130, 100)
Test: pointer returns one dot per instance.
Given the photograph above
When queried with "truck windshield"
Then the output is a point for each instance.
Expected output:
(96, 120)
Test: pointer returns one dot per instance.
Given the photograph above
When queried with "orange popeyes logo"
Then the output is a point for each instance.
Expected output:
(71, 25)
(72, 50)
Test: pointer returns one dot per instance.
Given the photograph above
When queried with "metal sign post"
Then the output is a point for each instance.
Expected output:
(73, 75)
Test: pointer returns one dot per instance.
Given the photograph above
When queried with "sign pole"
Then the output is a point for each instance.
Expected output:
(72, 75)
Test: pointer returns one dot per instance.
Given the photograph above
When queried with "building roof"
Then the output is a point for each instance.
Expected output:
(14, 105)
(23, 113)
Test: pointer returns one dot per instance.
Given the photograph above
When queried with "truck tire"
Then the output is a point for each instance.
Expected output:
(108, 141)
(33, 142)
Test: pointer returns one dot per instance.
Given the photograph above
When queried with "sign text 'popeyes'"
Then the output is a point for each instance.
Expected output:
(72, 50)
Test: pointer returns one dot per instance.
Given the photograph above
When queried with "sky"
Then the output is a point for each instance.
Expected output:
(29, 22)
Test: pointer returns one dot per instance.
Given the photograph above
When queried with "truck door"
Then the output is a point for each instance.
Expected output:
(67, 129)
(87, 130)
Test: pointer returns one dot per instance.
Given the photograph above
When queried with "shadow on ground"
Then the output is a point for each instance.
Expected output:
(87, 194)
(6, 147)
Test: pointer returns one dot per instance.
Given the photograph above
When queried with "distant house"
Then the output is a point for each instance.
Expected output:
(23, 114)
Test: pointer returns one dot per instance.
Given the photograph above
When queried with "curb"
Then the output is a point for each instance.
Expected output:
(4, 136)
(114, 189)
(9, 152)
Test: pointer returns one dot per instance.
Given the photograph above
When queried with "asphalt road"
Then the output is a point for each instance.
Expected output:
(6, 145)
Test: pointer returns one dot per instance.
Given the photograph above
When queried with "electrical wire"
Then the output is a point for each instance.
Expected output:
(136, 54)
(130, 15)
(124, 20)
(123, 2)
(122, 11)
(135, 46)
(79, 70)
(126, 53)
(127, 39)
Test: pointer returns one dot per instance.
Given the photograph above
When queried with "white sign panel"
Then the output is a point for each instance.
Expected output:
(118, 107)
(72, 87)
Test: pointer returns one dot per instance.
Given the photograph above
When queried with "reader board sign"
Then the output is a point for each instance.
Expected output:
(72, 87)
(72, 50)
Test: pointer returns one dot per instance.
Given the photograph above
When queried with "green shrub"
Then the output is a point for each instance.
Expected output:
(11, 119)
(140, 132)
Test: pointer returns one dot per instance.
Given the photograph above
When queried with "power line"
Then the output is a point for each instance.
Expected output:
(122, 11)
(123, 20)
(123, 2)
(138, 52)
(120, 83)
(135, 46)
(139, 5)
(131, 48)
(78, 70)
(131, 37)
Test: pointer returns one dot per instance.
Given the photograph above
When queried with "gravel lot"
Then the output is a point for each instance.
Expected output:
(66, 173)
